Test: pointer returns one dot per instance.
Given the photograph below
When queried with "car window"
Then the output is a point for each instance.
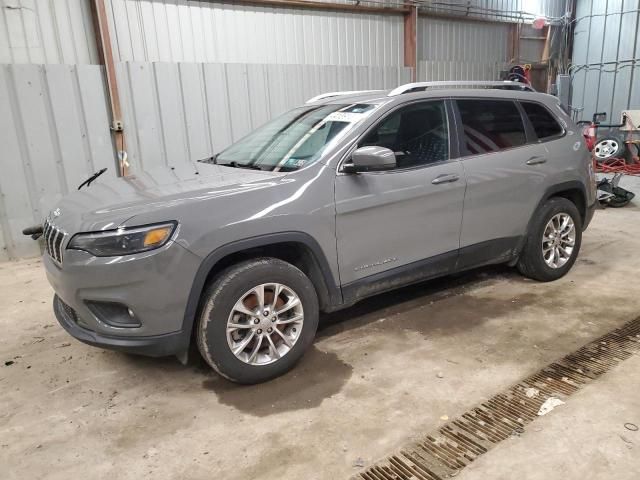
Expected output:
(491, 125)
(418, 134)
(295, 139)
(543, 122)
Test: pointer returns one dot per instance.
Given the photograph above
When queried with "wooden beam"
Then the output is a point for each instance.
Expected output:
(315, 5)
(411, 41)
(425, 12)
(105, 54)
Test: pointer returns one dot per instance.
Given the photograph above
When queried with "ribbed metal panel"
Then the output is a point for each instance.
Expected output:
(46, 31)
(501, 10)
(54, 132)
(461, 50)
(190, 31)
(606, 58)
(184, 112)
(441, 39)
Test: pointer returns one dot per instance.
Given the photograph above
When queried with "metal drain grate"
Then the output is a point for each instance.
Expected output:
(442, 454)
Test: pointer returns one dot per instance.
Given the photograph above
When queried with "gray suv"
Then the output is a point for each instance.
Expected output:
(347, 196)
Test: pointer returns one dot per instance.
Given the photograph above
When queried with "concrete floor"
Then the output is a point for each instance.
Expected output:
(369, 385)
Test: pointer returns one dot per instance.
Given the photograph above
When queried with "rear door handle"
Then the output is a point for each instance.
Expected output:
(536, 160)
(445, 178)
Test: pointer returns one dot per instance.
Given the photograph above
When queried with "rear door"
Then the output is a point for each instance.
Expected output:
(505, 170)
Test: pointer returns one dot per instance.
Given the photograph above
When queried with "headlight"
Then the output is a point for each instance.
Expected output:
(123, 241)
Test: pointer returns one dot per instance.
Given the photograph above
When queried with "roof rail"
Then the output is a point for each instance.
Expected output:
(338, 94)
(502, 85)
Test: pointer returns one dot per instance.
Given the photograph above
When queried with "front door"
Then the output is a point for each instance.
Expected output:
(388, 223)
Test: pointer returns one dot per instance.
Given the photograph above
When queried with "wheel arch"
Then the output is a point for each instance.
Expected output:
(574, 191)
(297, 248)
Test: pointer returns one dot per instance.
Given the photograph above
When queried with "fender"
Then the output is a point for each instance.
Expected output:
(333, 291)
(550, 192)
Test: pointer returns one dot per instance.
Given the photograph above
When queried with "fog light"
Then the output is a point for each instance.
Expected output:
(114, 314)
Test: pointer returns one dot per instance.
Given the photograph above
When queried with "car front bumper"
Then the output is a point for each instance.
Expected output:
(154, 285)
(153, 346)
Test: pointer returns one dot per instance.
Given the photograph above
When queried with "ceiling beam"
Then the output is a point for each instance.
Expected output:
(327, 6)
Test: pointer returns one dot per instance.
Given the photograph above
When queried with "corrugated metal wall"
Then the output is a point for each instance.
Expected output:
(501, 10)
(188, 31)
(606, 58)
(61, 31)
(46, 31)
(461, 50)
(184, 112)
(54, 132)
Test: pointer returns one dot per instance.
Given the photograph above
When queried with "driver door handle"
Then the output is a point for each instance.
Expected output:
(536, 160)
(445, 178)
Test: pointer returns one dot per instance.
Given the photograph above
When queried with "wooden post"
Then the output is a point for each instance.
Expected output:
(105, 53)
(411, 41)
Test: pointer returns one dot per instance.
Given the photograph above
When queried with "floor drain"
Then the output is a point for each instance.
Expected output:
(443, 453)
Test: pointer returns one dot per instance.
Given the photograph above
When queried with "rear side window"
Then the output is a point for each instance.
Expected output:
(491, 125)
(543, 122)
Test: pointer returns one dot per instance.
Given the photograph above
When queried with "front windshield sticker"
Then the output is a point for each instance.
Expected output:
(350, 117)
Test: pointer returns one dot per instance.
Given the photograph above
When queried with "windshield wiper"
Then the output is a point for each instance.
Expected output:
(211, 160)
(88, 181)
(235, 164)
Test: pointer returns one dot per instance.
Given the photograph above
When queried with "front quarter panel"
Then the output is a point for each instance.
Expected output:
(300, 201)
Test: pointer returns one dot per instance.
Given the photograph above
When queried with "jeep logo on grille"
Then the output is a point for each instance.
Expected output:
(56, 213)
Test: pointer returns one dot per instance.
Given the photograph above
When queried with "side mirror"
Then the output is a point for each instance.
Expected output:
(370, 159)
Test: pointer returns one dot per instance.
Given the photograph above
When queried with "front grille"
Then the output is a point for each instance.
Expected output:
(53, 240)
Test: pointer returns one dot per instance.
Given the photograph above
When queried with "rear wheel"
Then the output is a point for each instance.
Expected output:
(257, 319)
(553, 242)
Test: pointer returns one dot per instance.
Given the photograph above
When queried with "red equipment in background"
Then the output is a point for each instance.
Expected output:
(520, 73)
(611, 158)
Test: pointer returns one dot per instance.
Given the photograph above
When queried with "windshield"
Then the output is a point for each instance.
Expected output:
(295, 139)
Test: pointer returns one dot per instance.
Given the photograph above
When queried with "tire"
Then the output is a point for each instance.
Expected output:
(608, 147)
(234, 289)
(532, 262)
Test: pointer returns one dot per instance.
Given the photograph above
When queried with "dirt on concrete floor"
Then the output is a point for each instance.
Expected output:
(380, 373)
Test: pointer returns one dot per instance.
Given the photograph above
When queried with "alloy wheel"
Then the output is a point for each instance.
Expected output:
(265, 323)
(558, 240)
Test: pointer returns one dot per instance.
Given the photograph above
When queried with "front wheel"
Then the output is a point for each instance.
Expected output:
(256, 320)
(553, 241)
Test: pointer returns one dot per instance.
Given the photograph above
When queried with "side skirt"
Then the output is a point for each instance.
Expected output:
(502, 250)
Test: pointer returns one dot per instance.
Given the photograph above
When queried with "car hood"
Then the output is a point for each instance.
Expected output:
(109, 203)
